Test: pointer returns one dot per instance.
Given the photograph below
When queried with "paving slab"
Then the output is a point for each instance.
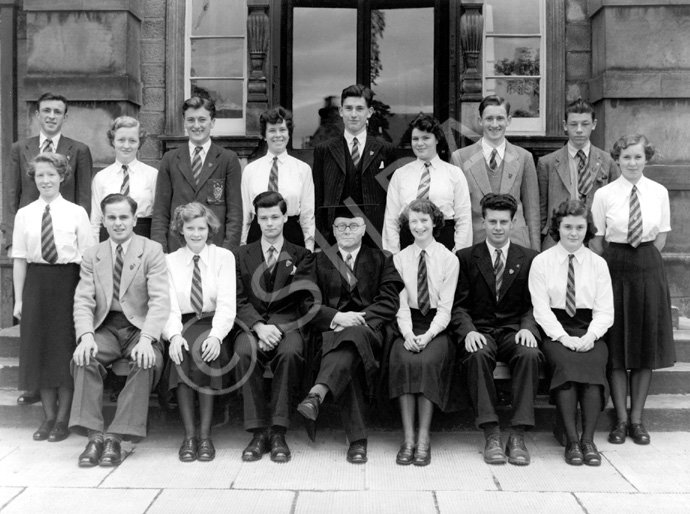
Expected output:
(76, 501)
(464, 471)
(449, 502)
(367, 502)
(6, 450)
(599, 503)
(307, 471)
(159, 469)
(656, 473)
(549, 472)
(211, 501)
(7, 494)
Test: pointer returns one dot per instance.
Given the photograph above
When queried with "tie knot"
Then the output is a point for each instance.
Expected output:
(125, 168)
(422, 254)
(427, 165)
(499, 251)
(197, 150)
(580, 154)
(271, 250)
(634, 190)
(571, 257)
(47, 207)
(275, 160)
(196, 259)
(118, 248)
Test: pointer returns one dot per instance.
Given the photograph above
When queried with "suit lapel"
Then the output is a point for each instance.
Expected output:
(64, 147)
(511, 168)
(336, 147)
(284, 266)
(131, 263)
(371, 148)
(477, 170)
(210, 164)
(563, 168)
(595, 163)
(257, 267)
(103, 269)
(184, 165)
(513, 264)
(31, 149)
(485, 266)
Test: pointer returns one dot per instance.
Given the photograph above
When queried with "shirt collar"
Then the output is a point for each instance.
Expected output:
(627, 185)
(361, 138)
(205, 147)
(55, 139)
(265, 245)
(189, 255)
(58, 199)
(435, 162)
(281, 157)
(354, 253)
(563, 253)
(430, 250)
(487, 149)
(131, 166)
(125, 245)
(492, 249)
(572, 151)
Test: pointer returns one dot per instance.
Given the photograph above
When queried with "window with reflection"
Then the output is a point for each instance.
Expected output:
(513, 60)
(215, 57)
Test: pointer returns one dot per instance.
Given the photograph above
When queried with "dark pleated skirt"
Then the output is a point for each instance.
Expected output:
(642, 331)
(292, 231)
(581, 367)
(446, 237)
(142, 228)
(193, 371)
(428, 372)
(47, 339)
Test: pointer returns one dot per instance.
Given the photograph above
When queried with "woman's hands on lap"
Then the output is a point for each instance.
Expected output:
(176, 344)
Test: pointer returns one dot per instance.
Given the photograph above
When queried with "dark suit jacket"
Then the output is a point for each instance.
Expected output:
(219, 189)
(255, 301)
(329, 172)
(519, 180)
(553, 173)
(476, 308)
(144, 287)
(20, 190)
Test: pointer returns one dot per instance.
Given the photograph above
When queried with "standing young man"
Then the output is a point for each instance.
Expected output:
(494, 165)
(576, 171)
(199, 171)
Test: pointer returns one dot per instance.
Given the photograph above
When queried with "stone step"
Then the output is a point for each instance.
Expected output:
(9, 342)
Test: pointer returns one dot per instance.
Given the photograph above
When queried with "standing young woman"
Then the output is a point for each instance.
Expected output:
(633, 215)
(432, 178)
(422, 358)
(50, 235)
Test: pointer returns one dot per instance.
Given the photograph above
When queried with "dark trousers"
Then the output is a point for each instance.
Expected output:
(115, 339)
(524, 369)
(286, 363)
(340, 371)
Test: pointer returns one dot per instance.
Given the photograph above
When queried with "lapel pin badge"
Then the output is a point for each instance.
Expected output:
(131, 266)
(288, 263)
(210, 164)
(510, 271)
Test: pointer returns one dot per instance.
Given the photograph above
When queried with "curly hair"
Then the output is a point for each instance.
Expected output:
(56, 160)
(422, 206)
(191, 211)
(276, 116)
(126, 122)
(629, 140)
(571, 208)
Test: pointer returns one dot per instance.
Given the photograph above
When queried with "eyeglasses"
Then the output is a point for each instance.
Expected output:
(342, 226)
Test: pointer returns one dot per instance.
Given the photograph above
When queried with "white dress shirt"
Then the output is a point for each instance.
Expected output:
(443, 269)
(142, 188)
(42, 139)
(217, 266)
(265, 245)
(548, 280)
(448, 190)
(114, 245)
(611, 209)
(71, 231)
(204, 151)
(295, 183)
(500, 152)
(504, 252)
(361, 141)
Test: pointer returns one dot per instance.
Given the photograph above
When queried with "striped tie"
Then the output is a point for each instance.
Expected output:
(498, 270)
(423, 285)
(570, 289)
(124, 188)
(355, 152)
(48, 248)
(196, 164)
(48, 145)
(635, 220)
(117, 272)
(492, 160)
(273, 177)
(197, 296)
(350, 276)
(424, 182)
(584, 177)
(271, 258)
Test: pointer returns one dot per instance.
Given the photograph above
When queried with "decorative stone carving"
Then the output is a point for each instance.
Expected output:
(257, 42)
(471, 33)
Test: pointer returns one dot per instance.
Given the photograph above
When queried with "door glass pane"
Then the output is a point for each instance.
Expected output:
(217, 57)
(522, 94)
(511, 16)
(218, 18)
(402, 70)
(324, 63)
(228, 95)
(514, 56)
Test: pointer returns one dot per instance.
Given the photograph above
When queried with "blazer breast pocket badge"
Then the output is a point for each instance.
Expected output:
(216, 194)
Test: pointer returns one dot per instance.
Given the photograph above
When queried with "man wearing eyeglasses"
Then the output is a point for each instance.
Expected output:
(359, 286)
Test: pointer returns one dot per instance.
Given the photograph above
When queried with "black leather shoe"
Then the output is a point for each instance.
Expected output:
(206, 451)
(309, 409)
(638, 433)
(257, 447)
(43, 431)
(28, 398)
(573, 454)
(493, 450)
(91, 454)
(188, 450)
(516, 451)
(280, 452)
(590, 453)
(422, 455)
(617, 435)
(357, 452)
(60, 432)
(405, 455)
(112, 454)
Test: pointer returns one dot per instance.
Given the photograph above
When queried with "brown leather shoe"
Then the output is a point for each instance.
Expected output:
(493, 450)
(638, 433)
(188, 450)
(112, 454)
(91, 454)
(206, 451)
(516, 451)
(256, 447)
(280, 452)
(405, 454)
(357, 452)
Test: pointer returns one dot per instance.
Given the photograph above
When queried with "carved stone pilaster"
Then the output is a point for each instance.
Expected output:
(258, 29)
(471, 33)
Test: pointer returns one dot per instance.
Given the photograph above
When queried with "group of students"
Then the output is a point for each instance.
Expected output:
(327, 272)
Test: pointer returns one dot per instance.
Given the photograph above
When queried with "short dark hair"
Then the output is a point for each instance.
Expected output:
(275, 116)
(48, 96)
(357, 91)
(427, 123)
(191, 211)
(269, 199)
(494, 100)
(197, 102)
(496, 202)
(117, 198)
(579, 106)
(423, 206)
(126, 122)
(629, 140)
(56, 160)
(571, 208)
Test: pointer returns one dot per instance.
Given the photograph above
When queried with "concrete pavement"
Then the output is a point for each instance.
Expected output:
(43, 478)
